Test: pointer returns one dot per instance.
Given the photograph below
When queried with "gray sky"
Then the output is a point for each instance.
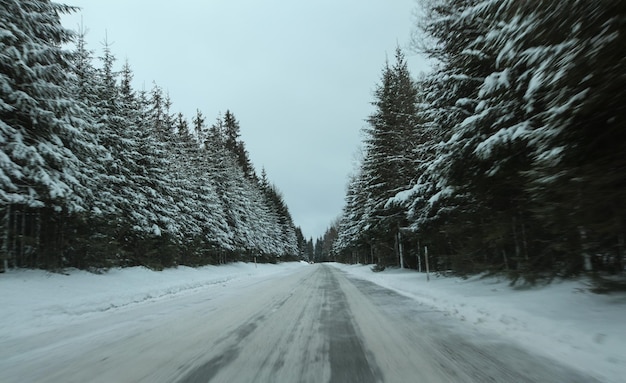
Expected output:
(298, 75)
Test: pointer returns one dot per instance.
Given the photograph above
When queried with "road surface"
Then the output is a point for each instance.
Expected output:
(313, 325)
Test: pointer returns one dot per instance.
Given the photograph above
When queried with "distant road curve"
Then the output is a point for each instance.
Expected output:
(314, 325)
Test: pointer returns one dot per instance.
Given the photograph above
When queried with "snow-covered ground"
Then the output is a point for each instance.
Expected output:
(34, 300)
(564, 320)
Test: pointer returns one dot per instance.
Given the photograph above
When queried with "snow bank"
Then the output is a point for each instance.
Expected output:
(36, 300)
(564, 320)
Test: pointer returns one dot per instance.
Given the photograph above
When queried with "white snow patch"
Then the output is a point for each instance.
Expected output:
(563, 321)
(402, 197)
(35, 300)
(494, 82)
(445, 192)
(503, 136)
(156, 230)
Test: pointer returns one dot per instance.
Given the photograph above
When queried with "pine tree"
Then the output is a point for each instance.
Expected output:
(282, 221)
(94, 244)
(236, 146)
(108, 175)
(573, 94)
(389, 143)
(36, 133)
(516, 184)
(301, 243)
(40, 141)
(199, 126)
(351, 237)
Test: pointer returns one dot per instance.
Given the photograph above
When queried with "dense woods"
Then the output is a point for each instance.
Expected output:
(96, 174)
(510, 156)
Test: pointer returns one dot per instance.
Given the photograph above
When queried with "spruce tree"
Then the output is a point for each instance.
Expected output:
(389, 143)
(516, 186)
(42, 145)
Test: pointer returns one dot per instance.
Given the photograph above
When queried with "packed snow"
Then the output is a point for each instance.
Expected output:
(564, 320)
(36, 300)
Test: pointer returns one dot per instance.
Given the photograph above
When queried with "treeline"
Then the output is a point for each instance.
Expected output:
(510, 156)
(95, 174)
(320, 249)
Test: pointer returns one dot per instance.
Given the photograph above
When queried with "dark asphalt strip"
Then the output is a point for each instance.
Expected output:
(348, 360)
(208, 370)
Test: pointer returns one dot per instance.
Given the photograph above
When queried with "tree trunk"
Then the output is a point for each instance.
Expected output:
(419, 259)
(506, 260)
(585, 253)
(5, 241)
(400, 250)
(621, 257)
(23, 238)
(14, 247)
(516, 239)
(525, 241)
(426, 259)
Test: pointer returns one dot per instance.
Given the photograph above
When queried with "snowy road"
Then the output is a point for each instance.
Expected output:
(309, 325)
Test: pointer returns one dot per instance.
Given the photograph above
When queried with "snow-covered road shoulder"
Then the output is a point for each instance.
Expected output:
(36, 300)
(564, 320)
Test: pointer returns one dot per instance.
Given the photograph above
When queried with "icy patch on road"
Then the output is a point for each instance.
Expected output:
(34, 300)
(564, 321)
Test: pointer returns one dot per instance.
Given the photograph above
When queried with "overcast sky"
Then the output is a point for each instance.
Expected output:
(298, 75)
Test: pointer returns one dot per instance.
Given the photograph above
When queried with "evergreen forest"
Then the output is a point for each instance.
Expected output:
(509, 157)
(95, 174)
